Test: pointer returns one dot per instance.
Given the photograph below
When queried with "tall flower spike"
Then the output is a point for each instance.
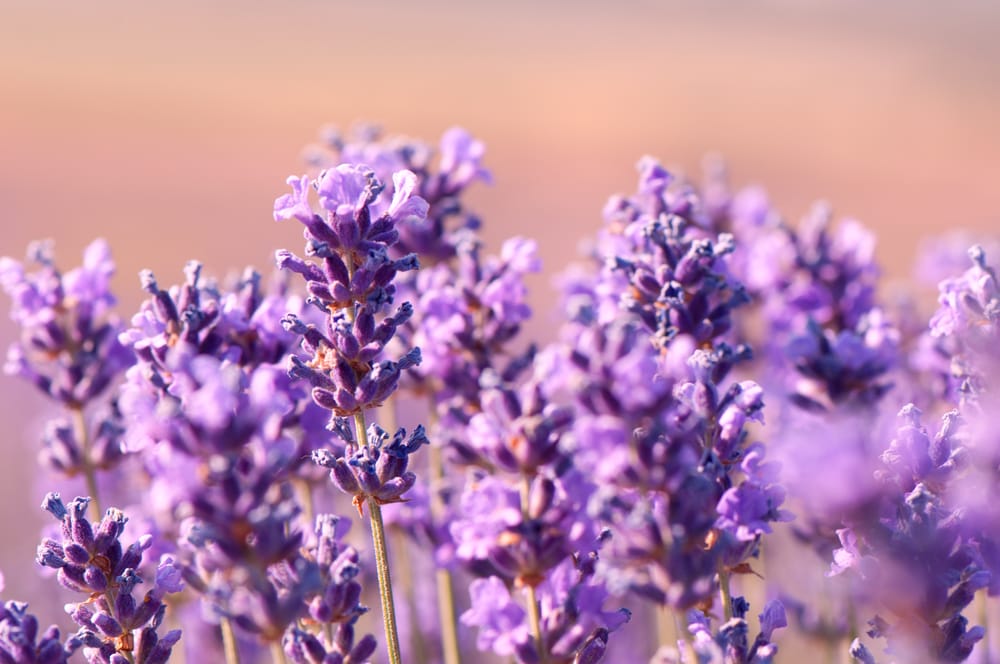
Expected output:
(20, 642)
(352, 284)
(90, 559)
(69, 348)
(436, 235)
(337, 607)
(969, 318)
(922, 558)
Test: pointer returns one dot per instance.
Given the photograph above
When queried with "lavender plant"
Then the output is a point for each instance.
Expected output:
(570, 484)
(69, 350)
(354, 289)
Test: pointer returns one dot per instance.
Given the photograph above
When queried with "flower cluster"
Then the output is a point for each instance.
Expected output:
(114, 626)
(563, 500)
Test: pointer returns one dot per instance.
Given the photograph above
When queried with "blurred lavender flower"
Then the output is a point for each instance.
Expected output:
(650, 346)
(730, 644)
(336, 607)
(525, 523)
(236, 528)
(575, 626)
(918, 555)
(20, 642)
(969, 319)
(241, 325)
(220, 430)
(69, 348)
(469, 312)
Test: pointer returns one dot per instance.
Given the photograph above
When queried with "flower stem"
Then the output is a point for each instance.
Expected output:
(984, 620)
(445, 586)
(304, 489)
(727, 600)
(278, 653)
(229, 641)
(89, 472)
(384, 582)
(381, 558)
(533, 613)
(405, 585)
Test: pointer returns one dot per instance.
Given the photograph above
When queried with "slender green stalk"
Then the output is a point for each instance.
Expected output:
(852, 620)
(381, 559)
(724, 594)
(305, 493)
(984, 620)
(89, 472)
(446, 613)
(384, 582)
(328, 635)
(229, 641)
(405, 585)
(666, 625)
(536, 624)
(533, 611)
(278, 653)
(445, 585)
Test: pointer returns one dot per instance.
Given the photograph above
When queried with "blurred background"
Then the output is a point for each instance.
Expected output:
(170, 131)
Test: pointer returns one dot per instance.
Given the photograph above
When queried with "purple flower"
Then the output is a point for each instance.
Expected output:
(21, 643)
(469, 313)
(969, 318)
(352, 288)
(69, 349)
(502, 622)
(376, 470)
(92, 560)
(434, 236)
(730, 643)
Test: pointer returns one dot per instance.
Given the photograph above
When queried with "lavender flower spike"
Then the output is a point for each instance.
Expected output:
(352, 284)
(20, 642)
(115, 627)
(376, 471)
(69, 348)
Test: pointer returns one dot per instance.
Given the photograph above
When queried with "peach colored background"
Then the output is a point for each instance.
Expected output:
(170, 131)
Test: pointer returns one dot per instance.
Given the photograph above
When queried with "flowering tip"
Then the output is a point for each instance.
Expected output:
(54, 505)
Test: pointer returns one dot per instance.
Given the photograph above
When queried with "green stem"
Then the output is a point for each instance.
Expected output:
(229, 641)
(536, 624)
(384, 582)
(381, 558)
(984, 621)
(666, 625)
(328, 634)
(89, 472)
(727, 600)
(446, 613)
(852, 620)
(405, 584)
(304, 489)
(278, 653)
(533, 612)
(445, 585)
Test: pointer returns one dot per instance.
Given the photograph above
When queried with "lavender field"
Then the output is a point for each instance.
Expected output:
(569, 360)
